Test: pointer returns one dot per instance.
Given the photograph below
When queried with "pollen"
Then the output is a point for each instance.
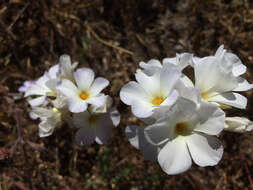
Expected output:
(83, 95)
(181, 128)
(157, 100)
(205, 96)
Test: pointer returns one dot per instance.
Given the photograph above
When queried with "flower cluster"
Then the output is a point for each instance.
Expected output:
(70, 95)
(183, 119)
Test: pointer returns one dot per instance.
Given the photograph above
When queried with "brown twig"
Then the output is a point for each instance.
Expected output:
(2, 10)
(108, 43)
(17, 17)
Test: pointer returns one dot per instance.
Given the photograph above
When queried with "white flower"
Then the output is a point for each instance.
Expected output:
(150, 92)
(238, 124)
(50, 119)
(95, 127)
(218, 78)
(136, 137)
(40, 88)
(188, 132)
(86, 92)
(179, 62)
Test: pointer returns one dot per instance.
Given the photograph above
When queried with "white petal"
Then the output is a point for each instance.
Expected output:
(243, 85)
(52, 83)
(171, 99)
(210, 76)
(238, 68)
(103, 129)
(168, 80)
(65, 64)
(238, 124)
(231, 99)
(135, 135)
(158, 133)
(45, 129)
(189, 93)
(174, 157)
(53, 71)
(132, 135)
(97, 101)
(150, 63)
(85, 135)
(81, 119)
(220, 51)
(170, 61)
(98, 85)
(149, 83)
(205, 150)
(132, 91)
(35, 90)
(184, 59)
(32, 115)
(68, 89)
(43, 79)
(42, 112)
(142, 109)
(186, 81)
(84, 78)
(37, 101)
(77, 105)
(205, 73)
(115, 117)
(212, 119)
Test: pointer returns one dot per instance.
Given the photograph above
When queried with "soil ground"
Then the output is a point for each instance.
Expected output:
(33, 34)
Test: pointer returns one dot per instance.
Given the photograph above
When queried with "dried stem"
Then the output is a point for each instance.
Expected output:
(108, 43)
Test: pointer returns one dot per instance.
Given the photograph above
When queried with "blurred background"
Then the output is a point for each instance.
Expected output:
(112, 37)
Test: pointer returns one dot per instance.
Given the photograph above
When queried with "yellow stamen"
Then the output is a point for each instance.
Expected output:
(83, 95)
(158, 100)
(204, 96)
(63, 77)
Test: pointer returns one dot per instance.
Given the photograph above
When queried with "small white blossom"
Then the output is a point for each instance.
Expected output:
(218, 79)
(85, 91)
(187, 132)
(150, 92)
(95, 126)
(238, 124)
(50, 119)
(41, 90)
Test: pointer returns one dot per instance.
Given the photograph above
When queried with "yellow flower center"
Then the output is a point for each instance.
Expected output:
(83, 95)
(182, 128)
(157, 100)
(204, 95)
